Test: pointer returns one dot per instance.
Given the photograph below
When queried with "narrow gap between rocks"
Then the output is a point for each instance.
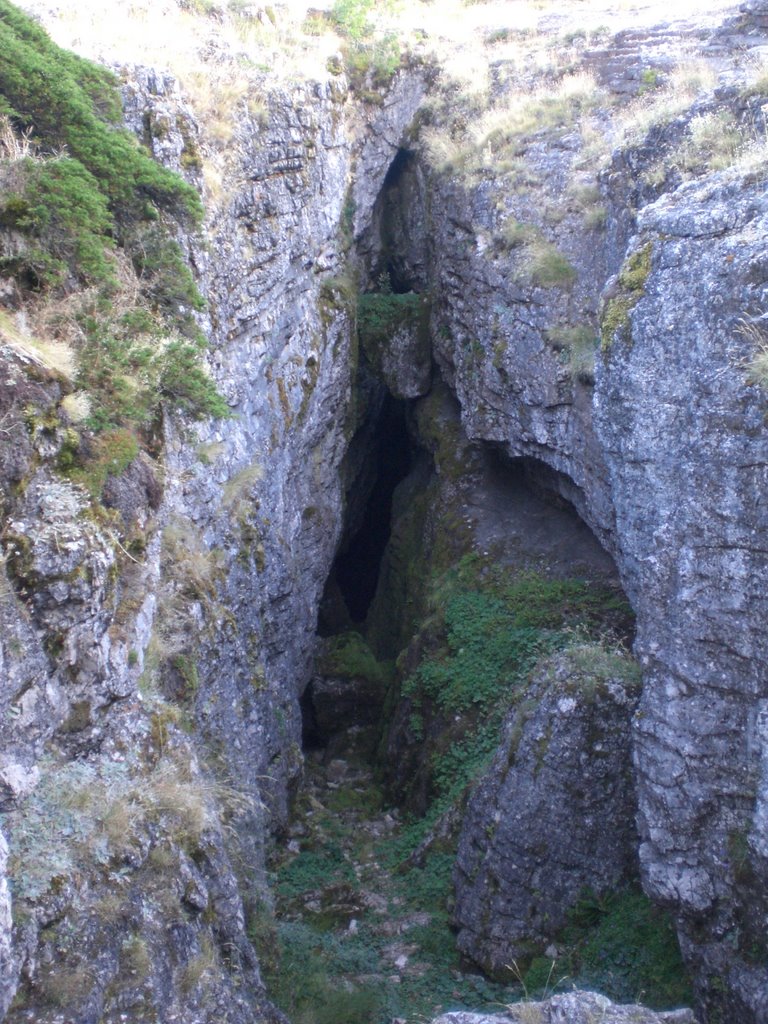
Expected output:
(458, 569)
(356, 568)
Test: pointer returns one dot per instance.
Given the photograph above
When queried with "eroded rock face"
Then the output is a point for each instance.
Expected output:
(666, 459)
(573, 1008)
(687, 447)
(231, 565)
(554, 814)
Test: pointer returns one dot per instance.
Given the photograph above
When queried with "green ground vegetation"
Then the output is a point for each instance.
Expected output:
(321, 971)
(620, 944)
(486, 630)
(348, 655)
(382, 314)
(483, 632)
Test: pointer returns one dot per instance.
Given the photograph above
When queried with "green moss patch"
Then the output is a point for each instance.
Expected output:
(632, 278)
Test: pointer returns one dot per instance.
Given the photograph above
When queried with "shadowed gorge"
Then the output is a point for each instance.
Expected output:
(356, 568)
(383, 551)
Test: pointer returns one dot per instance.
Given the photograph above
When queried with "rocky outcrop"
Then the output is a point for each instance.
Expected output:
(553, 816)
(206, 589)
(573, 1008)
(687, 447)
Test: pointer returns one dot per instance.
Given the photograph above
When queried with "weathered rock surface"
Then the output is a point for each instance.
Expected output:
(219, 612)
(573, 1008)
(554, 814)
(686, 442)
(665, 456)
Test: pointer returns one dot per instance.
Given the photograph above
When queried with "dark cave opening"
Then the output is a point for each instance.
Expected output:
(355, 573)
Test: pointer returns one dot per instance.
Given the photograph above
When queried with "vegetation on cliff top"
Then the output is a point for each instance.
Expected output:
(87, 220)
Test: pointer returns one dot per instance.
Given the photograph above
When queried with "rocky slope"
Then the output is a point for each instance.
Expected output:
(656, 437)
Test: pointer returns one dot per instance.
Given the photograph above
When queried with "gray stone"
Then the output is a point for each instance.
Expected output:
(572, 1008)
(553, 815)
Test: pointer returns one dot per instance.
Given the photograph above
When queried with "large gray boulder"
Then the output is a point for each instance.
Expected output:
(554, 814)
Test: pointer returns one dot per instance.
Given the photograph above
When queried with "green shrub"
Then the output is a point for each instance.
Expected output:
(351, 18)
(76, 210)
(380, 315)
(130, 368)
(348, 655)
(61, 208)
(71, 103)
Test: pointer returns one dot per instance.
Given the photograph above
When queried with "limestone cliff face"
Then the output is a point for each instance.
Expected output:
(662, 448)
(685, 438)
(664, 454)
(218, 613)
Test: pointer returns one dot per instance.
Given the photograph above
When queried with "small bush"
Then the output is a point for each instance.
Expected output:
(349, 655)
(71, 103)
(367, 57)
(380, 315)
(81, 212)
(59, 206)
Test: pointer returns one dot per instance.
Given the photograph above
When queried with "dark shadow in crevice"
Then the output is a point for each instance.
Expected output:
(355, 572)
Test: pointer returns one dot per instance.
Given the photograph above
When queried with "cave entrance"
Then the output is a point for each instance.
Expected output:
(354, 576)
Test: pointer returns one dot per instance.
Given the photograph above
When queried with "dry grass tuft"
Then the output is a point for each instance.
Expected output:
(499, 136)
(687, 83)
(757, 365)
(46, 352)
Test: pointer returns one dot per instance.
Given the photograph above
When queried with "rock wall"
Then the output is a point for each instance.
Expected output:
(664, 455)
(554, 815)
(685, 438)
(204, 588)
(662, 449)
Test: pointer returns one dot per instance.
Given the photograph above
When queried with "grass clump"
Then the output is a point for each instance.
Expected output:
(86, 816)
(501, 135)
(541, 262)
(547, 267)
(713, 143)
(578, 346)
(757, 364)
